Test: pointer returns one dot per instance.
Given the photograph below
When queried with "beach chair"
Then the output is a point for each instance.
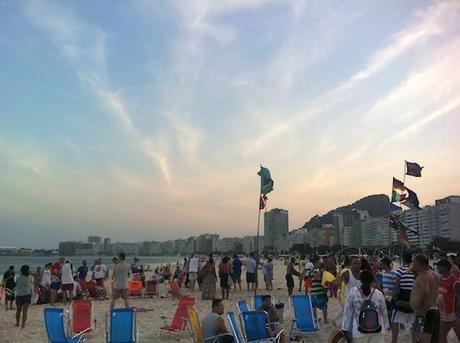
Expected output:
(151, 288)
(121, 326)
(135, 288)
(175, 290)
(234, 328)
(179, 321)
(303, 321)
(254, 325)
(195, 328)
(81, 315)
(242, 306)
(56, 328)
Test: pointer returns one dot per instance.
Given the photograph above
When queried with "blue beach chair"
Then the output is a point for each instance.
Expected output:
(55, 327)
(242, 306)
(303, 321)
(255, 327)
(121, 326)
(236, 332)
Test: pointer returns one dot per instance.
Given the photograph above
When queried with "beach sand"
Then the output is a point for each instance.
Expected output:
(149, 323)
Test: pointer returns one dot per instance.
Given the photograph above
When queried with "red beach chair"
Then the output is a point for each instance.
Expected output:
(81, 315)
(175, 290)
(151, 288)
(179, 322)
(135, 288)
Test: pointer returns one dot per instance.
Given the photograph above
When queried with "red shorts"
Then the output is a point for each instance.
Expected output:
(119, 293)
(67, 287)
(100, 282)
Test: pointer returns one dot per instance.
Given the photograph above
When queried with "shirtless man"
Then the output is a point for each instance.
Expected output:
(423, 301)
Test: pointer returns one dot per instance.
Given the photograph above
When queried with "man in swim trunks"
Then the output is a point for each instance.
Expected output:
(423, 301)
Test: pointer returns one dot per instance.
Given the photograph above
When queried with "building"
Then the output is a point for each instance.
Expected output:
(230, 245)
(411, 219)
(323, 236)
(376, 232)
(94, 239)
(73, 248)
(449, 217)
(206, 243)
(276, 229)
(107, 246)
(250, 243)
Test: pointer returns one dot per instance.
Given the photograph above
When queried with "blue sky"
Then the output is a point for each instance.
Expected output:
(148, 120)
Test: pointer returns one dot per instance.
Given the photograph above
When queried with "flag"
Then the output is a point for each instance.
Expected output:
(266, 182)
(262, 201)
(394, 221)
(407, 228)
(396, 197)
(398, 185)
(393, 208)
(412, 200)
(404, 239)
(413, 169)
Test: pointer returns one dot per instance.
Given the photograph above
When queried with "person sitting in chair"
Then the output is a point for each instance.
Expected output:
(273, 318)
(213, 324)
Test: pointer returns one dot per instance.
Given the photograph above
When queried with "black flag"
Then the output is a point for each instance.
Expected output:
(413, 169)
(412, 200)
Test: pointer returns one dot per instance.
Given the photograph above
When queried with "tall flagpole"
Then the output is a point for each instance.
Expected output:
(257, 248)
(400, 211)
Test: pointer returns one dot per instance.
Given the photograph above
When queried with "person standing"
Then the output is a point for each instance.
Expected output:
(23, 295)
(67, 281)
(208, 288)
(402, 313)
(236, 271)
(423, 301)
(194, 264)
(250, 264)
(120, 276)
(55, 279)
(318, 292)
(100, 275)
(224, 275)
(290, 272)
(302, 264)
(45, 284)
(388, 283)
(365, 305)
(269, 274)
(82, 272)
(9, 284)
(446, 299)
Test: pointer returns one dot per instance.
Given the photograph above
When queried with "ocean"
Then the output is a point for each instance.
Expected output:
(36, 261)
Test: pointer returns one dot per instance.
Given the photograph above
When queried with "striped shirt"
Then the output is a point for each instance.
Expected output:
(388, 281)
(316, 285)
(406, 280)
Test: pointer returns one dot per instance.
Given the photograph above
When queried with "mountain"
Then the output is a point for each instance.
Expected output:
(376, 205)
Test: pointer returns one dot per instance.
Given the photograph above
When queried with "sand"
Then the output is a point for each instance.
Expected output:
(149, 323)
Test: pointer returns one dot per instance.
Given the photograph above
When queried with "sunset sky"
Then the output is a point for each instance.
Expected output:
(148, 120)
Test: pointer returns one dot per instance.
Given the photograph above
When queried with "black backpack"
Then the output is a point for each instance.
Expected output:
(368, 321)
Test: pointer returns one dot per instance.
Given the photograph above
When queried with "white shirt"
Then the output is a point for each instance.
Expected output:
(46, 277)
(193, 265)
(66, 274)
(250, 265)
(99, 271)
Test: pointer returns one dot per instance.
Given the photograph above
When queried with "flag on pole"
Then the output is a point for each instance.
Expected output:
(398, 185)
(262, 201)
(412, 200)
(413, 169)
(396, 197)
(407, 228)
(266, 182)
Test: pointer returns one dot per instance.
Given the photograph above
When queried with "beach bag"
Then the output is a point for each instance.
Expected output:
(368, 321)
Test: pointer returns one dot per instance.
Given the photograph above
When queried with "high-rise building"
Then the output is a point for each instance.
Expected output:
(376, 231)
(276, 229)
(94, 239)
(449, 217)
(411, 219)
(107, 246)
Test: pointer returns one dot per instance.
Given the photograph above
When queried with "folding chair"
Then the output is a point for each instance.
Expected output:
(121, 326)
(195, 328)
(151, 288)
(135, 288)
(303, 321)
(254, 325)
(179, 321)
(242, 306)
(236, 332)
(55, 328)
(81, 315)
(175, 290)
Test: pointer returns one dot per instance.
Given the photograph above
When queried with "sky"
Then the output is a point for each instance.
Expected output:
(148, 120)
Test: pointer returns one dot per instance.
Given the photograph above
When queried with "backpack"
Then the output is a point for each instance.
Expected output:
(368, 321)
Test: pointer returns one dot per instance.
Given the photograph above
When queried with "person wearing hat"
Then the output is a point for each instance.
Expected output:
(446, 298)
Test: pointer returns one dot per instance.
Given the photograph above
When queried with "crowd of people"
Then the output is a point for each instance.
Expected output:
(376, 299)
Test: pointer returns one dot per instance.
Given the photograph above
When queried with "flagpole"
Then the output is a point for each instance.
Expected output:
(400, 211)
(257, 249)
